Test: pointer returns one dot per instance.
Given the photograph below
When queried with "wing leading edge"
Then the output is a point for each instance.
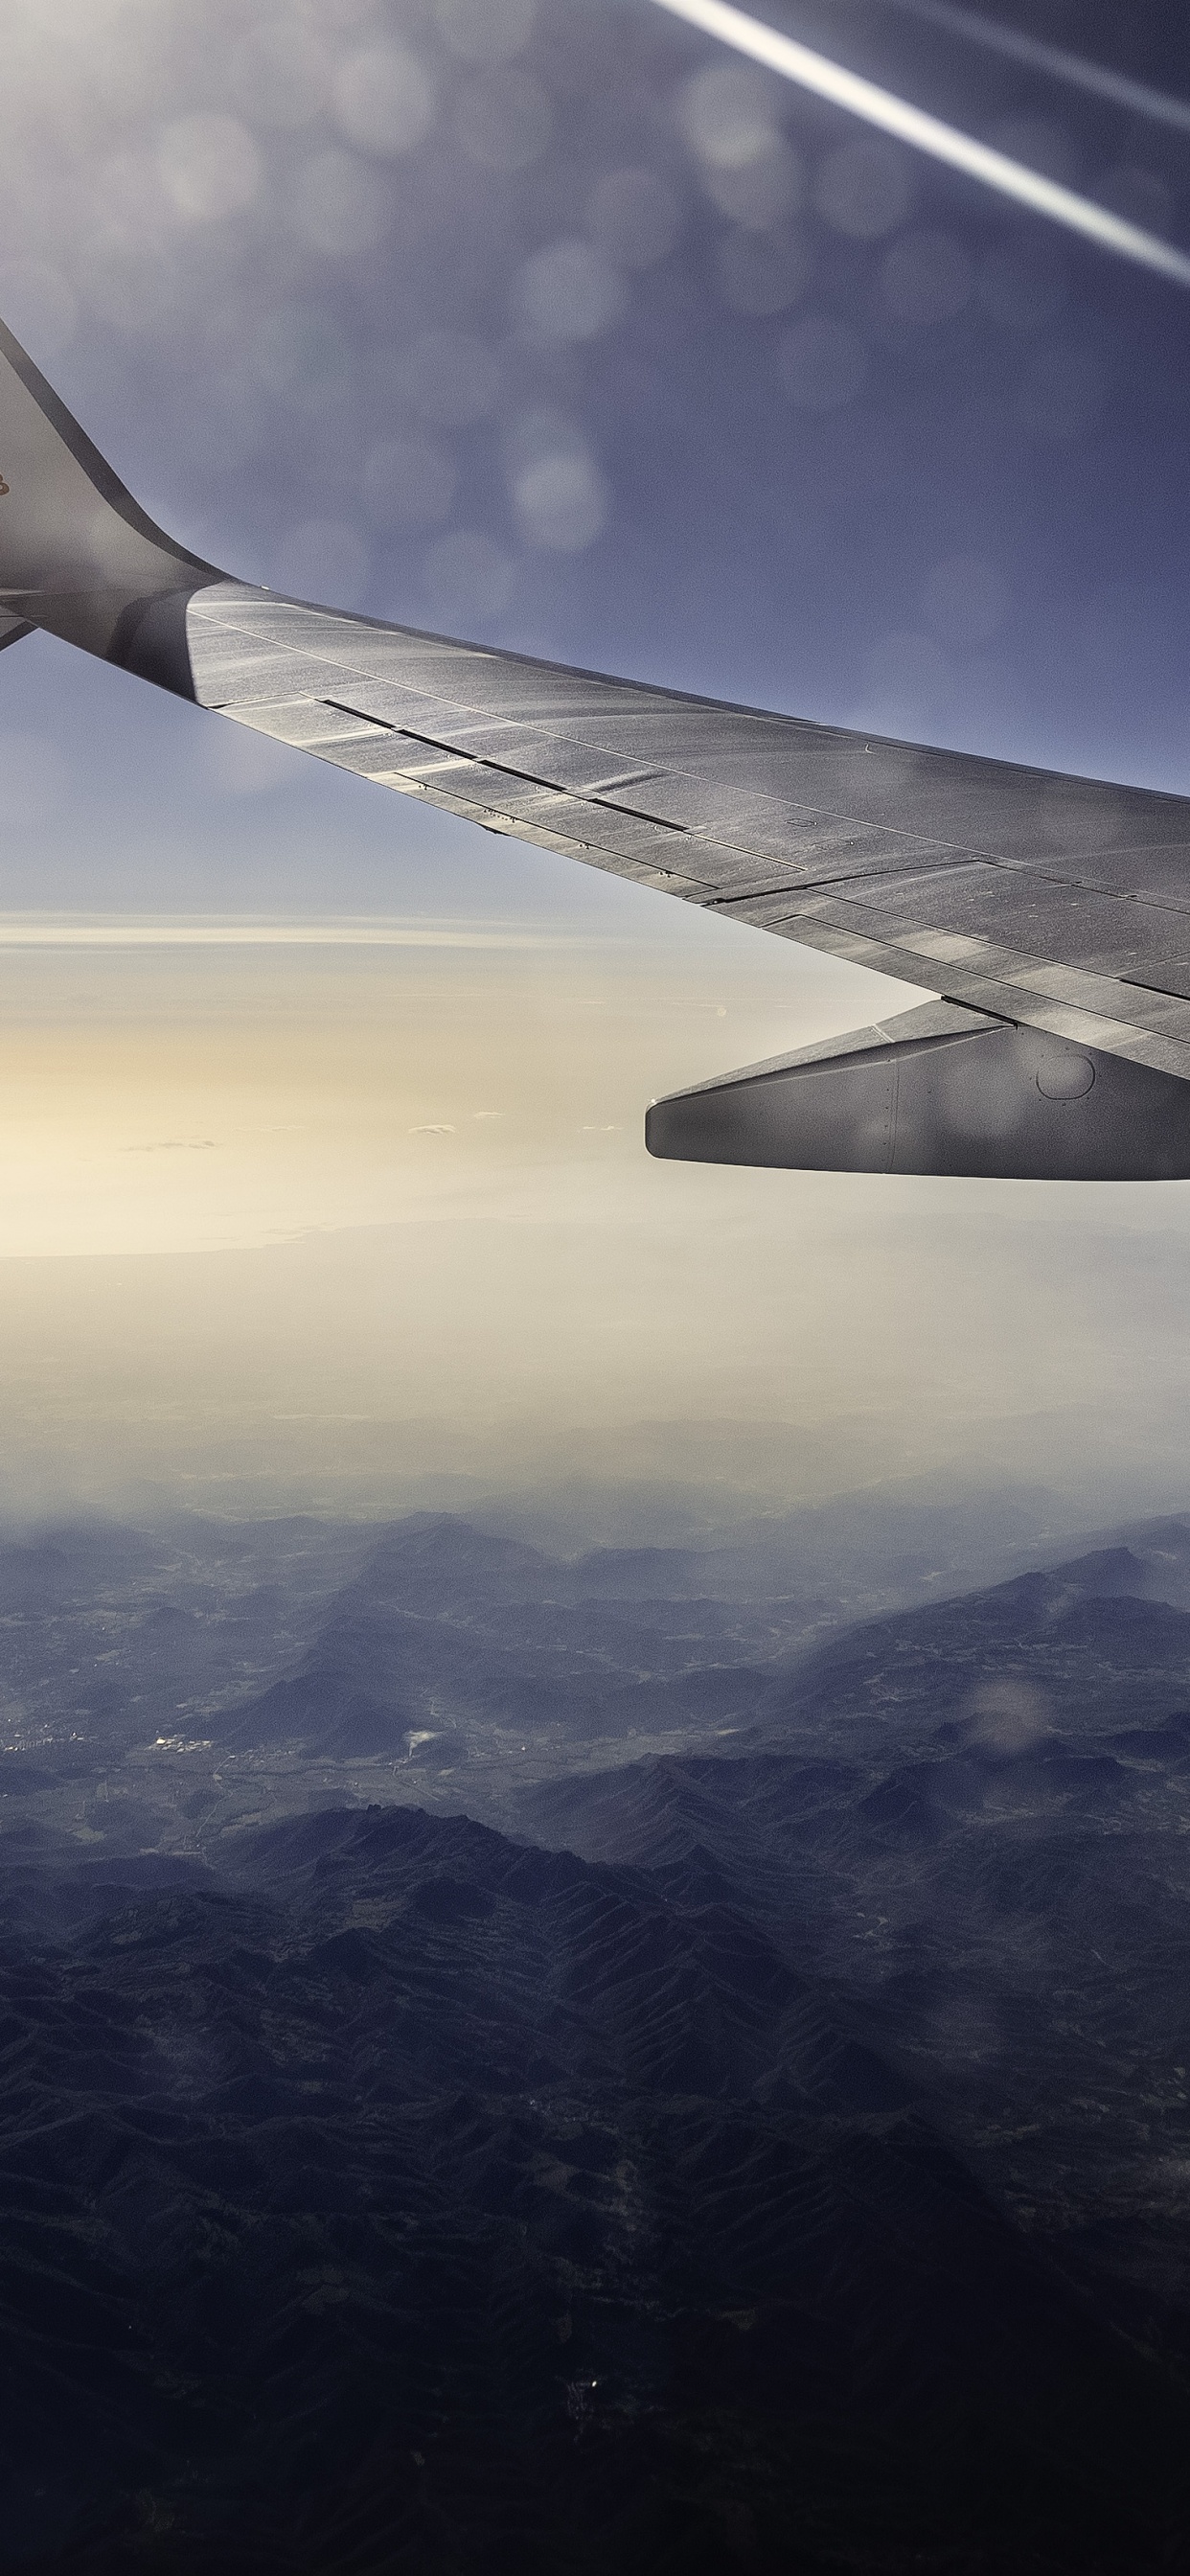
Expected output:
(1027, 899)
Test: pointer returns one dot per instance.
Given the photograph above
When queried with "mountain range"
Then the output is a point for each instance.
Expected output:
(531, 2063)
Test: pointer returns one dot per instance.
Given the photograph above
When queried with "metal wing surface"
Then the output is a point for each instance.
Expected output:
(1027, 900)
(1059, 902)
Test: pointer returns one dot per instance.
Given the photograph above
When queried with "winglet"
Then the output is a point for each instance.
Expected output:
(78, 555)
(944, 1090)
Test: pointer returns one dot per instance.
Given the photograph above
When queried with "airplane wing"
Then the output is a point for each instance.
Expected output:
(1051, 914)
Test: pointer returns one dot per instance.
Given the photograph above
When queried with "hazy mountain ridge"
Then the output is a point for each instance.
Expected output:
(447, 1628)
(111, 1635)
(1101, 1636)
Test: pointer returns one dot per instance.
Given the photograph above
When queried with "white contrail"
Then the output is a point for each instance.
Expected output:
(911, 125)
(1135, 97)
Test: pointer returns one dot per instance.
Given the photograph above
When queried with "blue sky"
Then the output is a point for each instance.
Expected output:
(561, 326)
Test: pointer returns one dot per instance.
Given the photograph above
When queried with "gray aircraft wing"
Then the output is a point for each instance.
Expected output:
(1050, 914)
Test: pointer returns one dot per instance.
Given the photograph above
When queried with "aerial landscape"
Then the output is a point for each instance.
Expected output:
(594, 1520)
(733, 2108)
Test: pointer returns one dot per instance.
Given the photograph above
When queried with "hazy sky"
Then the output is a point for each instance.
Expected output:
(560, 326)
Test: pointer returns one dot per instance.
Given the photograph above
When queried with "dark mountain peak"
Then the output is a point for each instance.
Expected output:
(346, 1843)
(412, 1835)
(429, 1564)
(1105, 1571)
(324, 1708)
(1103, 1574)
